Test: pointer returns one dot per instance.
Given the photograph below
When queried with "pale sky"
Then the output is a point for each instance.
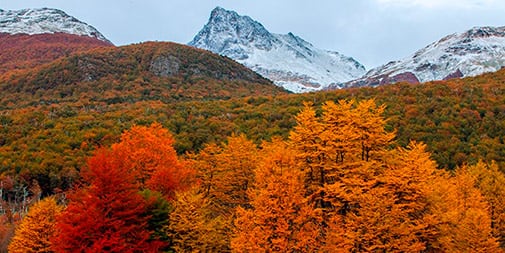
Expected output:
(374, 32)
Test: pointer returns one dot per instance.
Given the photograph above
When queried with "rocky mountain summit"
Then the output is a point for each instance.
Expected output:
(45, 20)
(286, 59)
(470, 53)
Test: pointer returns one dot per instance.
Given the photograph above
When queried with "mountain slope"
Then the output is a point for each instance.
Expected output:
(476, 51)
(287, 60)
(31, 37)
(149, 71)
(45, 20)
(22, 51)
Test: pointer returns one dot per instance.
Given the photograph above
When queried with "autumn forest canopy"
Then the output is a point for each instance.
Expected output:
(159, 147)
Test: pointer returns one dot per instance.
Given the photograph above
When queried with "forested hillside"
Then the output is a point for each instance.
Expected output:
(461, 121)
(339, 182)
(204, 148)
(157, 71)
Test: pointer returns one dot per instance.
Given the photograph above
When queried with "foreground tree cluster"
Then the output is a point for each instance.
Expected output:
(339, 183)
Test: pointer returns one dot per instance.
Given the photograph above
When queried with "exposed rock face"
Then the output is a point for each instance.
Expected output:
(286, 59)
(408, 77)
(88, 68)
(165, 65)
(456, 74)
(471, 53)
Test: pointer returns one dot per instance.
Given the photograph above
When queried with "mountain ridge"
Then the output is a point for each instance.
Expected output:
(469, 53)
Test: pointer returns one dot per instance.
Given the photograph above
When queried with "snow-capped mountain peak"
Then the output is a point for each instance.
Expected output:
(470, 53)
(228, 33)
(286, 59)
(44, 20)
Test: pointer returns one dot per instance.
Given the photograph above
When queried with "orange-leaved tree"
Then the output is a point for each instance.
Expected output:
(310, 151)
(346, 133)
(106, 216)
(384, 204)
(340, 130)
(370, 124)
(280, 218)
(464, 224)
(371, 198)
(37, 227)
(225, 173)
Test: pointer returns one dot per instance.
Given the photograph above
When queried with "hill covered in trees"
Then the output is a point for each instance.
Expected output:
(149, 71)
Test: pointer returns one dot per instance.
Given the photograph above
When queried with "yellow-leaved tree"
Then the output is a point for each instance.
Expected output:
(236, 164)
(36, 228)
(193, 227)
(225, 172)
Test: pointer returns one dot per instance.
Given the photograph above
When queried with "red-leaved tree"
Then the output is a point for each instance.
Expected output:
(106, 216)
(147, 152)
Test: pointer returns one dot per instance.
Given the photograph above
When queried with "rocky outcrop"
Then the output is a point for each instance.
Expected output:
(456, 74)
(165, 65)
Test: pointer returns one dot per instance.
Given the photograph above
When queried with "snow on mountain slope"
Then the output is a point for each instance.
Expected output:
(287, 60)
(45, 20)
(471, 53)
